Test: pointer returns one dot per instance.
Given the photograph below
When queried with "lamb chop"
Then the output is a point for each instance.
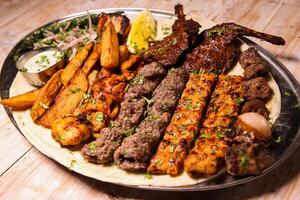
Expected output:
(218, 51)
(184, 35)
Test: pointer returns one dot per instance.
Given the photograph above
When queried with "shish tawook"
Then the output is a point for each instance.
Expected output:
(207, 156)
(183, 127)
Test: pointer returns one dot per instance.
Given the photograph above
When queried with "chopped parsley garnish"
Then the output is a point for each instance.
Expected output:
(43, 105)
(174, 41)
(172, 148)
(111, 124)
(286, 93)
(149, 101)
(76, 90)
(219, 134)
(137, 81)
(278, 140)
(86, 96)
(23, 69)
(42, 60)
(240, 100)
(92, 147)
(129, 132)
(216, 31)
(244, 161)
(148, 175)
(152, 117)
(161, 50)
(204, 136)
(296, 106)
(99, 117)
(157, 162)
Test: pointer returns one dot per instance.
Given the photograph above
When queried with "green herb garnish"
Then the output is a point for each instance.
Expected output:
(23, 69)
(76, 90)
(240, 100)
(296, 106)
(92, 147)
(216, 31)
(129, 132)
(43, 105)
(148, 175)
(149, 101)
(286, 93)
(244, 161)
(99, 117)
(204, 136)
(219, 134)
(278, 140)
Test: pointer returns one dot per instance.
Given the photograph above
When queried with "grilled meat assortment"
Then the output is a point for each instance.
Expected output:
(181, 131)
(217, 50)
(208, 154)
(257, 106)
(184, 35)
(131, 113)
(137, 149)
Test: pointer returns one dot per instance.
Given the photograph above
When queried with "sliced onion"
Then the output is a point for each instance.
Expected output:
(258, 124)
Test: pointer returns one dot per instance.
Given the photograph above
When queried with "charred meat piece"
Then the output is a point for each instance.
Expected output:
(169, 50)
(257, 88)
(131, 114)
(181, 131)
(255, 105)
(208, 153)
(247, 159)
(253, 64)
(136, 150)
(217, 51)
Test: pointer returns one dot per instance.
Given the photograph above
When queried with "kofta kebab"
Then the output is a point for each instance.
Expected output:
(170, 108)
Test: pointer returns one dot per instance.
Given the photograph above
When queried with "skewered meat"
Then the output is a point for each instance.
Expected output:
(131, 113)
(247, 159)
(136, 150)
(183, 127)
(253, 64)
(170, 49)
(217, 50)
(257, 88)
(208, 153)
(255, 105)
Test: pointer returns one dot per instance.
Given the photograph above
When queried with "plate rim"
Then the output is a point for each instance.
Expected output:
(283, 157)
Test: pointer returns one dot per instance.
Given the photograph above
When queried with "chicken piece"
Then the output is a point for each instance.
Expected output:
(181, 131)
(208, 154)
(70, 131)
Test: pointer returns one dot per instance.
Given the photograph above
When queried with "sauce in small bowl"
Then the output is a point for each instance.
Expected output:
(38, 65)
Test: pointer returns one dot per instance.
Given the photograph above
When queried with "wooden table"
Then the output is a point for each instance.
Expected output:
(27, 174)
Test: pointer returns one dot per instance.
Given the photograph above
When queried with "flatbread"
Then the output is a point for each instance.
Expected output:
(41, 137)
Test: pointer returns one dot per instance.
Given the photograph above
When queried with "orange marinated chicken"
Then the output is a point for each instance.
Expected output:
(184, 125)
(208, 154)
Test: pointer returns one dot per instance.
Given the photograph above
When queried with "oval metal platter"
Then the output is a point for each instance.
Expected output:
(286, 125)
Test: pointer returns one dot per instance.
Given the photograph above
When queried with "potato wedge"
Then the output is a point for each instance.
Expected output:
(46, 96)
(75, 63)
(92, 59)
(22, 101)
(124, 53)
(110, 47)
(67, 100)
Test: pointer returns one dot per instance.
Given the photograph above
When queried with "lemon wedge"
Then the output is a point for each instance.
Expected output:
(143, 31)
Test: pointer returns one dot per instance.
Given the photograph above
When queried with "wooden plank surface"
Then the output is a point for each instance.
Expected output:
(27, 174)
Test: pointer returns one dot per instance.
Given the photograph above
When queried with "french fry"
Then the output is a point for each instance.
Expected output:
(46, 96)
(110, 47)
(75, 63)
(92, 59)
(124, 53)
(22, 101)
(67, 100)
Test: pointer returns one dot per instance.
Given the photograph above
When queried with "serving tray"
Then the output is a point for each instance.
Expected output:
(286, 125)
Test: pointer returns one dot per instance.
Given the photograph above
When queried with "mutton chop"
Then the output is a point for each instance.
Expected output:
(218, 51)
(184, 35)
(208, 154)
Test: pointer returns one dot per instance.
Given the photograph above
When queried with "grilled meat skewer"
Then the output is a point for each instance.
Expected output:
(131, 113)
(137, 149)
(208, 154)
(183, 127)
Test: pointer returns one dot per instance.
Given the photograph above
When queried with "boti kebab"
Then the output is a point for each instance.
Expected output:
(148, 78)
(217, 52)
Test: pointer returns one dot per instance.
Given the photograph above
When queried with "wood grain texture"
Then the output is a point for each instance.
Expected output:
(27, 174)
